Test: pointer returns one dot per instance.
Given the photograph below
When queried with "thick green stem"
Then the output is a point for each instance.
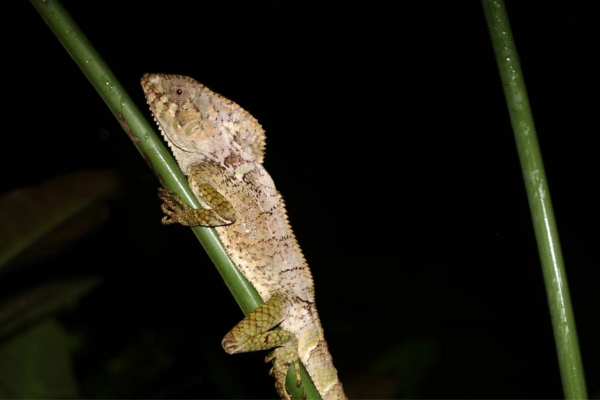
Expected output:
(540, 204)
(154, 152)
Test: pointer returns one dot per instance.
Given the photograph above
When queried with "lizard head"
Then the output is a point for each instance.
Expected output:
(195, 120)
(184, 113)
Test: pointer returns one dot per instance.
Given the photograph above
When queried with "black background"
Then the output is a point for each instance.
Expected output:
(389, 138)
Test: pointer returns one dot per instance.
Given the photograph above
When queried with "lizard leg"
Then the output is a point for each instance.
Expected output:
(253, 334)
(221, 211)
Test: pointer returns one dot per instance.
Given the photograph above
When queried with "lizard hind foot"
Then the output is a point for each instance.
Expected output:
(282, 358)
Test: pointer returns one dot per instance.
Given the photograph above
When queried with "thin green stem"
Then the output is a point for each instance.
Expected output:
(154, 152)
(540, 204)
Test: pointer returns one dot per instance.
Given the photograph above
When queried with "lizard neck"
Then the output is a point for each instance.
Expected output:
(229, 154)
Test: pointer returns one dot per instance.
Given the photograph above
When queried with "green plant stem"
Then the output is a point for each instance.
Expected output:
(540, 204)
(137, 127)
(155, 153)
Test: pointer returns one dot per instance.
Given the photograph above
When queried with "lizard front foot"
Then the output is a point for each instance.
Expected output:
(178, 212)
(172, 206)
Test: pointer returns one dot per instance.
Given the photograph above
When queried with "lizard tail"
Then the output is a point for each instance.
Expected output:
(319, 366)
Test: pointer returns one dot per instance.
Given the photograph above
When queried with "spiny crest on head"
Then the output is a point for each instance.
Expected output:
(243, 127)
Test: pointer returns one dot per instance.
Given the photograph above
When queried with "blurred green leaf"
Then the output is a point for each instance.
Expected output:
(42, 219)
(37, 364)
(31, 305)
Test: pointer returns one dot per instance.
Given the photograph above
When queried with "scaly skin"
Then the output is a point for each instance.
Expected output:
(220, 147)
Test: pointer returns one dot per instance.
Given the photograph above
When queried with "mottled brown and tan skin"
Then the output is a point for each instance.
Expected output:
(220, 147)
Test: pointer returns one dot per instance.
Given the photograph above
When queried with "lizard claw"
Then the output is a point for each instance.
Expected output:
(298, 377)
(172, 206)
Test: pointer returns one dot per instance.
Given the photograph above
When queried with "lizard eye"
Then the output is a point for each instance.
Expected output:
(178, 91)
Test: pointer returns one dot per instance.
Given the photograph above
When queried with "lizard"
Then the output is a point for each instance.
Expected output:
(220, 147)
